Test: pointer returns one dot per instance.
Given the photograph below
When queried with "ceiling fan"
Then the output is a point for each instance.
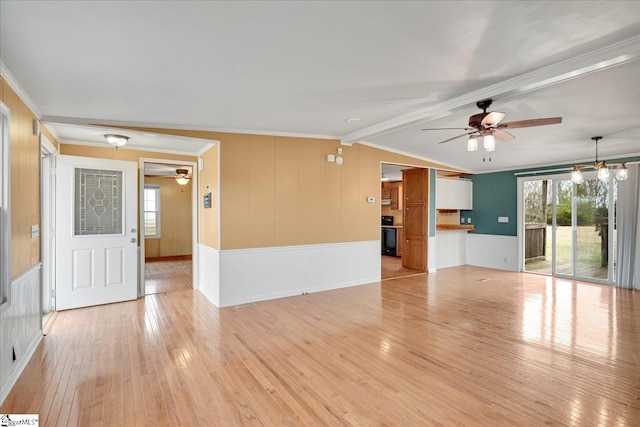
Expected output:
(182, 176)
(487, 125)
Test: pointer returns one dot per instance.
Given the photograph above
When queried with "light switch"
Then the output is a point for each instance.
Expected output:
(371, 199)
(503, 219)
(35, 231)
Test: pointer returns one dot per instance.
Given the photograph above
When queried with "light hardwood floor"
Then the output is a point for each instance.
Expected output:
(467, 346)
(392, 268)
(167, 275)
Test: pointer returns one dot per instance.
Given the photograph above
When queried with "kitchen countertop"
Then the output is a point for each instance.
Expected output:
(392, 226)
(454, 227)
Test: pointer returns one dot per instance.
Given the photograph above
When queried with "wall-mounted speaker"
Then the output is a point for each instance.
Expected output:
(36, 127)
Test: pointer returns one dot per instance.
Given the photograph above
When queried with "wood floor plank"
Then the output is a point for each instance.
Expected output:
(465, 347)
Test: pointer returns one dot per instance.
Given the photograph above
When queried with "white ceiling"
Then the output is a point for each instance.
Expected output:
(303, 68)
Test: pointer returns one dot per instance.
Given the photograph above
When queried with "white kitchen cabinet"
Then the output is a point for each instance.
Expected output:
(454, 194)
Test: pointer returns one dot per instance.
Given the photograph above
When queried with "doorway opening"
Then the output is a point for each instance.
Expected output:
(569, 228)
(48, 154)
(168, 224)
(394, 222)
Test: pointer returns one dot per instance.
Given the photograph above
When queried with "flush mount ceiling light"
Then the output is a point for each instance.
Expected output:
(384, 178)
(116, 140)
(601, 167)
(182, 177)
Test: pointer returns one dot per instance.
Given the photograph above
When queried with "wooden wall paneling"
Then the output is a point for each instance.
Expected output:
(287, 191)
(208, 227)
(350, 200)
(261, 191)
(369, 215)
(234, 216)
(310, 210)
(331, 189)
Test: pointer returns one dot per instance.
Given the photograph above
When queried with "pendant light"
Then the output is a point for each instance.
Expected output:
(601, 166)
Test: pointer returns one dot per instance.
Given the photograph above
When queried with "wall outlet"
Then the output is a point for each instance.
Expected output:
(16, 354)
(468, 220)
(503, 219)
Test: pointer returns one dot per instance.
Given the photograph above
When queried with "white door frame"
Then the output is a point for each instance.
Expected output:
(194, 218)
(47, 223)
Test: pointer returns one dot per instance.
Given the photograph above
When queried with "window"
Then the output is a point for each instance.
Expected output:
(152, 211)
(5, 212)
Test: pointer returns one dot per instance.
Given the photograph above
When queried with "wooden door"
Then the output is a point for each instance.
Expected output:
(96, 216)
(415, 221)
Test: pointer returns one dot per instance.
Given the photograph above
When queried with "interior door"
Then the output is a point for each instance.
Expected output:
(96, 213)
(416, 185)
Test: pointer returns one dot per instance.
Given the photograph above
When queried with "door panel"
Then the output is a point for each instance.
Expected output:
(96, 213)
(415, 188)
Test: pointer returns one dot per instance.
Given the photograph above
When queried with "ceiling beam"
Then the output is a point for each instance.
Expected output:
(597, 60)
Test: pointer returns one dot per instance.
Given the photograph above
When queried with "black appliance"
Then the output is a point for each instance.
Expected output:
(388, 236)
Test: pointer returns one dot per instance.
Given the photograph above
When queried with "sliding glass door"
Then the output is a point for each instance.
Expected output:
(569, 228)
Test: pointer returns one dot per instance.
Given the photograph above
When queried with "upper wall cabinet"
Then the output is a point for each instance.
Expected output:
(454, 194)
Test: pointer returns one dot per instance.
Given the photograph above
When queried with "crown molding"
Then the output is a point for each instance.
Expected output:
(13, 84)
(150, 125)
(597, 60)
(446, 166)
(127, 147)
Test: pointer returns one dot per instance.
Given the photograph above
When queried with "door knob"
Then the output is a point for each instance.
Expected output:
(133, 240)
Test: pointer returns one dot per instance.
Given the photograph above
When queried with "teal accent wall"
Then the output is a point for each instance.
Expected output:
(432, 202)
(494, 195)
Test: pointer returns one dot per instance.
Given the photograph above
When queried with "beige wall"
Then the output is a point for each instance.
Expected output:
(208, 182)
(25, 182)
(175, 219)
(279, 191)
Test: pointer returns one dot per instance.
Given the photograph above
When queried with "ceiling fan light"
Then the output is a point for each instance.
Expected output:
(472, 144)
(182, 180)
(622, 173)
(576, 175)
(603, 173)
(116, 140)
(489, 143)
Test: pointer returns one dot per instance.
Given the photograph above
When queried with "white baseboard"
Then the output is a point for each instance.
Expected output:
(15, 374)
(250, 275)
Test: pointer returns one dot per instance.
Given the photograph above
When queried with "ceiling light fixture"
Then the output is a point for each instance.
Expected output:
(384, 178)
(116, 140)
(352, 119)
(183, 176)
(601, 166)
(489, 142)
(472, 143)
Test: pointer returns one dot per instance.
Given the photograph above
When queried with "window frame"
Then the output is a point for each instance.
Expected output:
(5, 207)
(156, 189)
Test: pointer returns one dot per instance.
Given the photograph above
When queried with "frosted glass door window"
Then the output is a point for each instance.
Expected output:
(98, 202)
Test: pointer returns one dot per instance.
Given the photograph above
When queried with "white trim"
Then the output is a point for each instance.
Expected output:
(600, 59)
(5, 206)
(206, 148)
(209, 273)
(22, 94)
(86, 121)
(128, 147)
(436, 164)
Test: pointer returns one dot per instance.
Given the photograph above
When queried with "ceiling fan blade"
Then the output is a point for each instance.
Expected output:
(456, 137)
(531, 123)
(448, 129)
(492, 119)
(502, 135)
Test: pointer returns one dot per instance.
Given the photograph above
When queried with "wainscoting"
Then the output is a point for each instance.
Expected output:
(249, 275)
(20, 327)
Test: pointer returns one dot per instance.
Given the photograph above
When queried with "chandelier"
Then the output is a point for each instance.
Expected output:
(602, 168)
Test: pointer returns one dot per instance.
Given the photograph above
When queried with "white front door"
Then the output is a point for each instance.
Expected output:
(96, 236)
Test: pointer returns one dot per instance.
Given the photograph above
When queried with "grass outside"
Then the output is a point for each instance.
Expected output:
(589, 253)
